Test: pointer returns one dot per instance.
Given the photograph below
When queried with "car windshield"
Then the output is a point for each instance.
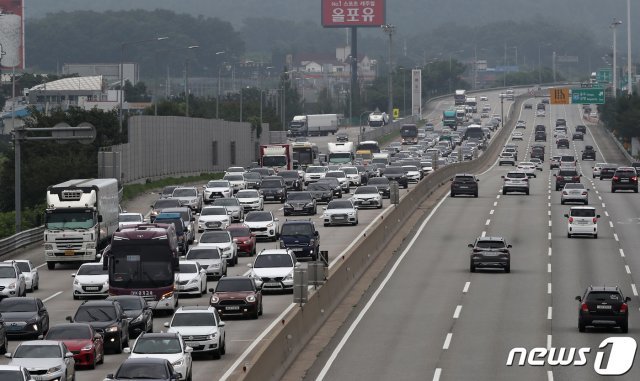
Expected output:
(7, 272)
(226, 201)
(69, 332)
(18, 305)
(130, 218)
(234, 177)
(516, 175)
(337, 204)
(299, 196)
(167, 191)
(289, 174)
(138, 370)
(239, 232)
(157, 345)
(234, 285)
(188, 268)
(379, 181)
(273, 260)
(185, 192)
(271, 184)
(40, 351)
(166, 203)
(252, 176)
(490, 244)
(193, 320)
(583, 212)
(318, 187)
(214, 237)
(297, 229)
(567, 158)
(258, 217)
(336, 174)
(234, 169)
(247, 194)
(217, 184)
(625, 172)
(213, 211)
(350, 170)
(604, 296)
(366, 190)
(91, 270)
(465, 179)
(410, 168)
(574, 186)
(203, 253)
(94, 313)
(567, 173)
(315, 170)
(394, 171)
(24, 267)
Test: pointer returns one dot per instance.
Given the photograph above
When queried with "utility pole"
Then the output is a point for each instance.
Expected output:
(629, 82)
(614, 26)
(390, 29)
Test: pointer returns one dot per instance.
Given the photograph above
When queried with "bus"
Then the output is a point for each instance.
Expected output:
(409, 134)
(305, 153)
(143, 260)
(368, 145)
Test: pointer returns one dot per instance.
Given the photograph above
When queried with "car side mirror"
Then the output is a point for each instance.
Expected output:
(470, 245)
(73, 275)
(451, 180)
(7, 355)
(597, 216)
(97, 336)
(110, 376)
(579, 298)
(188, 349)
(222, 324)
(627, 299)
(69, 319)
(166, 324)
(212, 290)
(68, 355)
(249, 265)
(40, 337)
(276, 219)
(502, 177)
(509, 246)
(566, 215)
(126, 350)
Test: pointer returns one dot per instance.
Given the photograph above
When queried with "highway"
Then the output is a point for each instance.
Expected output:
(429, 318)
(55, 285)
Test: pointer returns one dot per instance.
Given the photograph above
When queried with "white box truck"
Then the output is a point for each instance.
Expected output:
(322, 124)
(340, 153)
(80, 218)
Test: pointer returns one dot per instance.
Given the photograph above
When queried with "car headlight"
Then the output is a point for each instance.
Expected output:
(12, 285)
(309, 205)
(212, 336)
(137, 319)
(179, 362)
(287, 205)
(215, 265)
(113, 328)
(194, 280)
(167, 295)
(250, 298)
(270, 225)
(289, 276)
(214, 299)
(226, 249)
(75, 282)
(87, 347)
(54, 369)
(48, 246)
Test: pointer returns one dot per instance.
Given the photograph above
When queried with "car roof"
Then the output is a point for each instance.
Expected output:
(196, 309)
(604, 288)
(490, 238)
(274, 251)
(583, 207)
(98, 303)
(145, 360)
(40, 342)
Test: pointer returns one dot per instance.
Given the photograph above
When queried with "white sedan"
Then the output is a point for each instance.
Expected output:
(340, 212)
(517, 135)
(216, 189)
(223, 240)
(213, 218)
(90, 280)
(367, 196)
(527, 167)
(170, 346)
(412, 172)
(192, 279)
(250, 199)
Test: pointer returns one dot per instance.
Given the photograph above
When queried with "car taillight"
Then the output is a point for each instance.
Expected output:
(560, 177)
(570, 219)
(615, 178)
(584, 193)
(576, 178)
(634, 178)
(584, 307)
(623, 308)
(595, 220)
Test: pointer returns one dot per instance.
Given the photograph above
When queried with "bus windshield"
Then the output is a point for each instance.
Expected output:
(141, 266)
(304, 155)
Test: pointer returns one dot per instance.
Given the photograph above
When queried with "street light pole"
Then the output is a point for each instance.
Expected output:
(218, 96)
(614, 26)
(186, 81)
(629, 82)
(390, 29)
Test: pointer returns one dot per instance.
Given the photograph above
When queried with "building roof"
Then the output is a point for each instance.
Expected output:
(93, 83)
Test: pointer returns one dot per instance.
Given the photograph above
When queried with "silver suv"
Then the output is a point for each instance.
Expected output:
(515, 181)
(188, 196)
(12, 280)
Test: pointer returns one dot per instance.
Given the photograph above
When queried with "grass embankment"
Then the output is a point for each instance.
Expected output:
(133, 190)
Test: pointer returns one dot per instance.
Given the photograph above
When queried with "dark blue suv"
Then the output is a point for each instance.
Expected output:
(301, 237)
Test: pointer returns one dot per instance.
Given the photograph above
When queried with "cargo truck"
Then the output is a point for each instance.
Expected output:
(340, 153)
(279, 157)
(449, 119)
(80, 218)
(378, 119)
(460, 97)
(313, 125)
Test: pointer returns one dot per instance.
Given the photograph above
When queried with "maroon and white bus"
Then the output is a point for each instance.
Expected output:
(143, 260)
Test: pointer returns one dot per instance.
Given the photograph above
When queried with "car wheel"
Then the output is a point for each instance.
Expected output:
(216, 354)
(568, 235)
(527, 193)
(595, 236)
(3, 348)
(93, 363)
(355, 223)
(190, 375)
(561, 202)
(325, 225)
(504, 192)
(636, 190)
(51, 265)
(581, 326)
(624, 327)
(380, 206)
(118, 347)
(613, 190)
(235, 261)
(260, 312)
(507, 268)
(472, 267)
(475, 195)
(255, 314)
(453, 194)
(37, 285)
(223, 349)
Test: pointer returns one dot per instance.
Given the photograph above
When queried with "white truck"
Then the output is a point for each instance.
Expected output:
(378, 119)
(473, 103)
(278, 157)
(322, 124)
(80, 218)
(340, 153)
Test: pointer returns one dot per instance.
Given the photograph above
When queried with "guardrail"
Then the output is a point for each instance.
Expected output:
(280, 346)
(17, 241)
(618, 144)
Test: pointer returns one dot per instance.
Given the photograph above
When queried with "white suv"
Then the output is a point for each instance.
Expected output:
(314, 173)
(201, 328)
(12, 280)
(582, 220)
(273, 269)
(31, 276)
(515, 181)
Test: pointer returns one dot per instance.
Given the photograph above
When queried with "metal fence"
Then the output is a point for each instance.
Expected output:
(20, 240)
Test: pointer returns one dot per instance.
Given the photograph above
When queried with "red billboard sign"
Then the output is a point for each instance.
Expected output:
(12, 34)
(347, 13)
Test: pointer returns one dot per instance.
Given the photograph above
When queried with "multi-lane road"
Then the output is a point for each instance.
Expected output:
(430, 318)
(55, 285)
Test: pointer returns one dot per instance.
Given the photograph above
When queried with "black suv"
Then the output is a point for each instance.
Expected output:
(292, 179)
(301, 237)
(566, 175)
(561, 122)
(464, 183)
(108, 318)
(490, 252)
(603, 306)
(581, 128)
(540, 128)
(624, 178)
(300, 203)
(273, 188)
(397, 174)
(540, 136)
(334, 183)
(383, 185)
(562, 143)
(588, 153)
(537, 152)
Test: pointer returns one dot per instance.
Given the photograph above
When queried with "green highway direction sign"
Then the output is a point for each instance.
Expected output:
(604, 75)
(587, 96)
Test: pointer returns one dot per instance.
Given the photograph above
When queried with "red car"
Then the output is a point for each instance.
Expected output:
(245, 240)
(86, 344)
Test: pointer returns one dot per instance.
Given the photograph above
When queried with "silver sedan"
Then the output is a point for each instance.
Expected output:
(574, 192)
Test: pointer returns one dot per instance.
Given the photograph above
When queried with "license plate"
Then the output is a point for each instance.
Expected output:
(272, 284)
(366, 202)
(231, 308)
(338, 218)
(92, 288)
(297, 249)
(578, 222)
(464, 187)
(69, 252)
(603, 307)
(624, 181)
(192, 344)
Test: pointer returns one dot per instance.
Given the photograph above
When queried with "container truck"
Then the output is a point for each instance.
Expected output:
(449, 119)
(276, 156)
(340, 153)
(80, 218)
(378, 119)
(315, 124)
(460, 97)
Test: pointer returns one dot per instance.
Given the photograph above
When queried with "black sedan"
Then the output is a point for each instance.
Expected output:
(383, 185)
(156, 369)
(26, 317)
(397, 174)
(334, 184)
(138, 312)
(292, 179)
(322, 192)
(300, 203)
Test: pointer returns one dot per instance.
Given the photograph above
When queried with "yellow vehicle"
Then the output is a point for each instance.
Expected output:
(364, 155)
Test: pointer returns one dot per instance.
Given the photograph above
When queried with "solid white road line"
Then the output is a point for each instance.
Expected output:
(456, 313)
(466, 287)
(365, 309)
(447, 341)
(51, 297)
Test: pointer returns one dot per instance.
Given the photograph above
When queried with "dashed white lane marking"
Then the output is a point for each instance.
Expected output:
(615, 236)
(491, 211)
(621, 253)
(627, 269)
(610, 224)
(549, 251)
(549, 204)
(606, 213)
(466, 287)
(548, 197)
(549, 236)
(549, 222)
(548, 212)
(488, 222)
(548, 267)
(549, 313)
(549, 288)
(51, 297)
(600, 198)
(634, 289)
(483, 234)
(436, 374)
(549, 340)
(495, 203)
(603, 205)
(456, 313)
(498, 196)
(549, 375)
(447, 341)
